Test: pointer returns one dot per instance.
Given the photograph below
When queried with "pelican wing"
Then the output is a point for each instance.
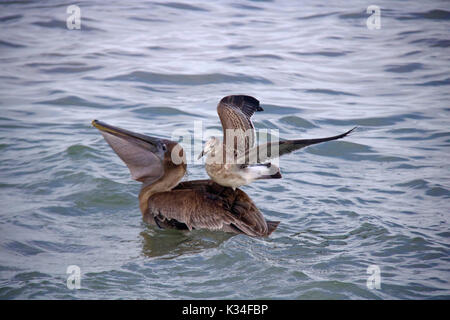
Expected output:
(271, 150)
(197, 205)
(235, 112)
(143, 155)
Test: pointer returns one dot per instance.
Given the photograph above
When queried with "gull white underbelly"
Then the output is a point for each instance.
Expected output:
(231, 175)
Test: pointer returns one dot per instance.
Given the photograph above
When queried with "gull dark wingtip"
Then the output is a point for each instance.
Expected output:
(350, 131)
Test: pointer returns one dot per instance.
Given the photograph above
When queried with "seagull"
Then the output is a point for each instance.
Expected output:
(238, 160)
(166, 202)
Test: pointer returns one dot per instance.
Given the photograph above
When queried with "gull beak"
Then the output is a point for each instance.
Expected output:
(201, 154)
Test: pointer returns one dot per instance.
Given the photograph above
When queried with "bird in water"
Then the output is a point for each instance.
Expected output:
(160, 164)
(166, 202)
(238, 160)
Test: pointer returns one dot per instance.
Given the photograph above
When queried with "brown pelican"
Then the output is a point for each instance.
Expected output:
(237, 161)
(165, 202)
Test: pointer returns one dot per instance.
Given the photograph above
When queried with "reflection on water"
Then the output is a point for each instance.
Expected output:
(169, 244)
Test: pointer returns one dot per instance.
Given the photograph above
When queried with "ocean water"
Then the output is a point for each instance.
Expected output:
(377, 200)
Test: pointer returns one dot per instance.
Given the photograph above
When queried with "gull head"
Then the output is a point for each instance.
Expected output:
(210, 145)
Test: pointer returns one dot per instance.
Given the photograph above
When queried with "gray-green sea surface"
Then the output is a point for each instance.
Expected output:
(375, 204)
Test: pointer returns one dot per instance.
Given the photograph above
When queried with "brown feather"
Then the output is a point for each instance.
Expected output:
(235, 112)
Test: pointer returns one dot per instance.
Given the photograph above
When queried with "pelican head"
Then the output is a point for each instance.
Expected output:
(210, 145)
(148, 158)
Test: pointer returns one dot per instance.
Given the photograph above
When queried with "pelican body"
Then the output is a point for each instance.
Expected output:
(222, 168)
(164, 202)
